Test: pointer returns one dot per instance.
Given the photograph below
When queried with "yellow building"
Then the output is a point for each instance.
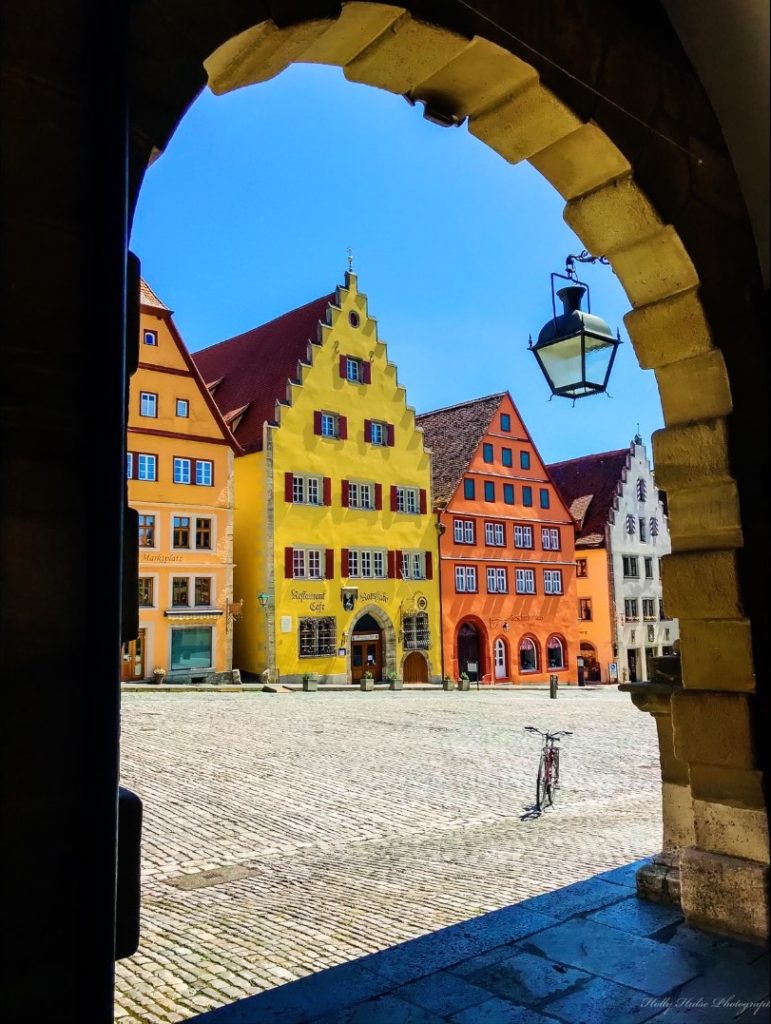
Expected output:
(180, 483)
(335, 543)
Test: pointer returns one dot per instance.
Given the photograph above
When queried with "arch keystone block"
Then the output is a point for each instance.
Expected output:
(705, 517)
(684, 401)
(581, 162)
(689, 455)
(405, 55)
(713, 729)
(479, 77)
(612, 217)
(702, 585)
(717, 654)
(524, 124)
(655, 267)
(259, 53)
(664, 332)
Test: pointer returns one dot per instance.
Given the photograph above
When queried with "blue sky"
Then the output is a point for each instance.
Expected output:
(252, 208)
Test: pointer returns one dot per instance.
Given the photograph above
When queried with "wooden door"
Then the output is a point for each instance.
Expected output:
(366, 656)
(468, 652)
(132, 659)
(415, 669)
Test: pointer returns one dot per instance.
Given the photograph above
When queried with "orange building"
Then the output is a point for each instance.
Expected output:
(506, 548)
(180, 483)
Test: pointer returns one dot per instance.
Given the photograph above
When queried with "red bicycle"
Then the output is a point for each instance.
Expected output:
(548, 767)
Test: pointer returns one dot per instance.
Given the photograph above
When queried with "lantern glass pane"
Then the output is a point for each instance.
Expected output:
(562, 362)
(598, 353)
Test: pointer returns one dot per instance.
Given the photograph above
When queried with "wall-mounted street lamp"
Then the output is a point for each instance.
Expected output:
(576, 349)
(264, 599)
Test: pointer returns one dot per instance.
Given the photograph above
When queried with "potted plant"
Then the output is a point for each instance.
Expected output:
(310, 682)
(463, 682)
(159, 674)
(368, 681)
(447, 683)
(394, 682)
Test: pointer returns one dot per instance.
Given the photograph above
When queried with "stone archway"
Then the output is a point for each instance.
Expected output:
(375, 614)
(511, 110)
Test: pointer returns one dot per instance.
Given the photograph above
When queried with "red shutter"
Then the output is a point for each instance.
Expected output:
(429, 566)
(342, 427)
(390, 434)
(288, 487)
(367, 430)
(394, 502)
(344, 494)
(327, 490)
(289, 563)
(329, 564)
(317, 423)
(422, 501)
(378, 496)
(344, 562)
(366, 373)
(392, 565)
(343, 366)
(398, 565)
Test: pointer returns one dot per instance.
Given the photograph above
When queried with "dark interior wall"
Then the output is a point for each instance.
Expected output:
(64, 207)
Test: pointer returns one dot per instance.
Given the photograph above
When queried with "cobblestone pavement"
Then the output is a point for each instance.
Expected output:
(285, 833)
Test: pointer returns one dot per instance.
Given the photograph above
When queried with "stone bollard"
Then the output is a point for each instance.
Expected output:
(553, 682)
(367, 684)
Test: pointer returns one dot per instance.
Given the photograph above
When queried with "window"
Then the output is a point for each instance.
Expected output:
(183, 407)
(151, 338)
(408, 500)
(488, 454)
(642, 529)
(180, 592)
(367, 563)
(508, 494)
(631, 567)
(552, 581)
(528, 655)
(146, 531)
(191, 648)
(640, 489)
(181, 471)
(497, 583)
(360, 495)
(417, 636)
(649, 608)
(329, 424)
(631, 525)
(489, 490)
(468, 489)
(148, 403)
(180, 531)
(202, 591)
(585, 609)
(307, 490)
(631, 609)
(544, 497)
(147, 467)
(527, 496)
(465, 579)
(525, 581)
(524, 460)
(523, 536)
(506, 457)
(555, 653)
(582, 570)
(203, 534)
(413, 565)
(648, 568)
(353, 369)
(653, 526)
(651, 633)
(378, 433)
(317, 637)
(494, 534)
(204, 472)
(505, 423)
(463, 531)
(550, 538)
(146, 587)
(308, 563)
(129, 465)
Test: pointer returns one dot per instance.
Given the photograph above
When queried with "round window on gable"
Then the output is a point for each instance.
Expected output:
(354, 319)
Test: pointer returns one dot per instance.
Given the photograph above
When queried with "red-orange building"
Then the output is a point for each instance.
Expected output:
(506, 547)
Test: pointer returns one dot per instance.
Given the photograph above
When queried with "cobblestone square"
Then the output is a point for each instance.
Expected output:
(286, 833)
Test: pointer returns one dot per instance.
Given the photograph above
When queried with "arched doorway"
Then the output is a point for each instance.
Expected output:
(415, 668)
(501, 655)
(469, 646)
(592, 670)
(366, 649)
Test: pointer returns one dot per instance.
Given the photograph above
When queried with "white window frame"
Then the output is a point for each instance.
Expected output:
(361, 495)
(378, 433)
(153, 335)
(550, 538)
(307, 489)
(308, 563)
(353, 370)
(406, 497)
(463, 531)
(631, 609)
(367, 563)
(413, 565)
(329, 424)
(204, 468)
(630, 562)
(151, 463)
(182, 470)
(184, 402)
(466, 579)
(524, 581)
(552, 581)
(521, 534)
(148, 400)
(651, 603)
(494, 535)
(497, 580)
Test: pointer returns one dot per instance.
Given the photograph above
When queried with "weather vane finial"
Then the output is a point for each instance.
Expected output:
(350, 259)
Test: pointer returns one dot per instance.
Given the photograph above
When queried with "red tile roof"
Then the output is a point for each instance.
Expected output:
(253, 368)
(453, 434)
(589, 488)
(147, 297)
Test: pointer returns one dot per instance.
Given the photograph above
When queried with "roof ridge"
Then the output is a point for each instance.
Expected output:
(461, 405)
(269, 323)
(593, 455)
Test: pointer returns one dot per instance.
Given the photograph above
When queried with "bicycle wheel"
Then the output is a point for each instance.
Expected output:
(556, 770)
(542, 785)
